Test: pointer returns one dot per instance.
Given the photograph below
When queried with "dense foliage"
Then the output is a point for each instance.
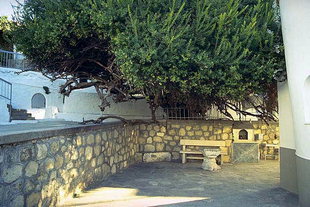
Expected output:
(174, 52)
(5, 38)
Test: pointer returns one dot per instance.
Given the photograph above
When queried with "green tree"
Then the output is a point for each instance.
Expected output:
(203, 53)
(174, 52)
(5, 38)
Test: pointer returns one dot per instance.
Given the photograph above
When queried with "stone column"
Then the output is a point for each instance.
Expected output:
(295, 15)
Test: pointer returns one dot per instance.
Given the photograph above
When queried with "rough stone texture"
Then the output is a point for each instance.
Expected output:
(40, 172)
(31, 169)
(168, 139)
(10, 174)
(157, 157)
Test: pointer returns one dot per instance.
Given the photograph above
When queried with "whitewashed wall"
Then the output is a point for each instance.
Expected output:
(80, 104)
(4, 113)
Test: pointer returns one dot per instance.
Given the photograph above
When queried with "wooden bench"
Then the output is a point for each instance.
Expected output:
(201, 143)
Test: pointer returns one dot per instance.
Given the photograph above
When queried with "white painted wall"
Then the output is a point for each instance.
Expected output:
(80, 104)
(285, 117)
(25, 85)
(4, 113)
(296, 35)
(84, 104)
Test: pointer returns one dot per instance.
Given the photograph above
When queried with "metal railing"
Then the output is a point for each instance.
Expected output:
(13, 60)
(6, 93)
(186, 114)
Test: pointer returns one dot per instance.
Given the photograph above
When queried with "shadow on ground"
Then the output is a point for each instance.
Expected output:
(187, 185)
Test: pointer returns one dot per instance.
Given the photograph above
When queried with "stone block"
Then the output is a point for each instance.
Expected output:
(149, 148)
(182, 132)
(25, 155)
(142, 140)
(157, 157)
(156, 128)
(54, 147)
(206, 134)
(31, 169)
(79, 140)
(190, 133)
(97, 150)
(158, 139)
(198, 133)
(177, 126)
(204, 128)
(160, 147)
(90, 139)
(98, 138)
(172, 132)
(49, 164)
(11, 174)
(149, 140)
(42, 151)
(163, 129)
(225, 136)
(142, 127)
(168, 138)
(160, 134)
(188, 128)
(88, 153)
(152, 133)
(176, 138)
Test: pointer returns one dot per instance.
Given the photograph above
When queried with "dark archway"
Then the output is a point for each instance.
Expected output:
(243, 134)
(38, 101)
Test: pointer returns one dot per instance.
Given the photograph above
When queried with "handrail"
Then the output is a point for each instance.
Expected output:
(6, 93)
(10, 59)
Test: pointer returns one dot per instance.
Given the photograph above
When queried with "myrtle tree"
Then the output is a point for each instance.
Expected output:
(203, 53)
(5, 38)
(198, 54)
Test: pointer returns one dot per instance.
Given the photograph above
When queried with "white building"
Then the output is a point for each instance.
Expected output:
(294, 100)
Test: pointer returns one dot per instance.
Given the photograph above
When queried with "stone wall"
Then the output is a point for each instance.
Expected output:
(165, 136)
(42, 172)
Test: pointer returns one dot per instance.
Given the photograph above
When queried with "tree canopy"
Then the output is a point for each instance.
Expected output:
(5, 38)
(196, 54)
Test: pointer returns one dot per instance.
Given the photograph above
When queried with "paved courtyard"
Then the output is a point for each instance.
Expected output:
(175, 184)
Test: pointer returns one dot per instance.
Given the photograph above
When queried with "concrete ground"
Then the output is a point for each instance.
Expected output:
(187, 185)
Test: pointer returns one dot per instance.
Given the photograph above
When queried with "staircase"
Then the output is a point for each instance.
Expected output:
(21, 114)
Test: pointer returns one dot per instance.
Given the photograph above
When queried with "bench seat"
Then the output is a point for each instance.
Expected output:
(201, 143)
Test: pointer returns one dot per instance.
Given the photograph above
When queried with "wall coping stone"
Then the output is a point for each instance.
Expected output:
(11, 134)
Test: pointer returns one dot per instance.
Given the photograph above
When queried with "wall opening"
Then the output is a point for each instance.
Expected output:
(243, 134)
(38, 101)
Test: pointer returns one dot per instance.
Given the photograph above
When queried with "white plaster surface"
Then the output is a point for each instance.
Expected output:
(295, 17)
(4, 113)
(285, 117)
(80, 104)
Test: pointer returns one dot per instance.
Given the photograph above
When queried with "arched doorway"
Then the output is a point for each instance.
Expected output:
(38, 101)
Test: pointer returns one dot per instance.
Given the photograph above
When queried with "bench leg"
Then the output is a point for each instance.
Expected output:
(183, 158)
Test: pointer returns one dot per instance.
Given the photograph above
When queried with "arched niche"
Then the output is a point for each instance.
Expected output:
(38, 101)
(243, 135)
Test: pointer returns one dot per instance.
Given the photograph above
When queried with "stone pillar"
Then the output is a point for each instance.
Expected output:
(295, 15)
